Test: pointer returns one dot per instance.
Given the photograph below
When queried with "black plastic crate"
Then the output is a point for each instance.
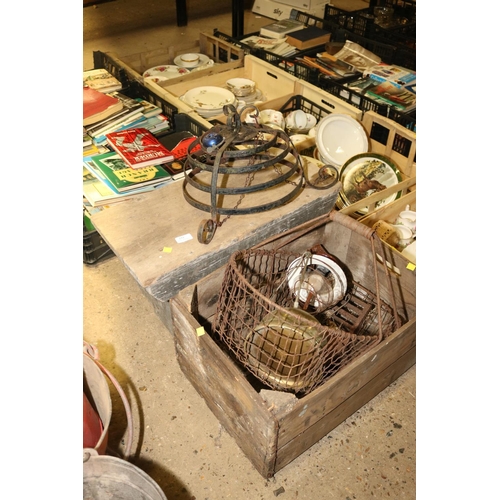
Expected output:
(364, 103)
(300, 102)
(184, 123)
(102, 60)
(408, 120)
(236, 41)
(357, 21)
(134, 88)
(95, 249)
(290, 64)
(362, 22)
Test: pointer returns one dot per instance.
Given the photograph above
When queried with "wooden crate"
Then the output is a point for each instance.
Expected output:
(272, 81)
(390, 139)
(273, 436)
(224, 54)
(390, 212)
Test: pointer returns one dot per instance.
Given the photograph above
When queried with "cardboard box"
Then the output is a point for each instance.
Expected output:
(276, 10)
(302, 5)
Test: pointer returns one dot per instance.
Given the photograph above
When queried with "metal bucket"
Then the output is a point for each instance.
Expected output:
(95, 387)
(106, 477)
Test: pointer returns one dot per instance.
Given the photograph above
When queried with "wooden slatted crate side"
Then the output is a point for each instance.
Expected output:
(393, 140)
(230, 397)
(370, 201)
(326, 100)
(390, 212)
(307, 435)
(219, 51)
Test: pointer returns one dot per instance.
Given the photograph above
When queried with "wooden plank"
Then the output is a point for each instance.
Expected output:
(272, 81)
(390, 212)
(326, 100)
(370, 201)
(314, 432)
(230, 397)
(396, 132)
(140, 229)
(347, 382)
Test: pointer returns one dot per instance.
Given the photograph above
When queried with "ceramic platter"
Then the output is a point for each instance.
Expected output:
(205, 62)
(163, 73)
(208, 101)
(326, 267)
(340, 137)
(365, 174)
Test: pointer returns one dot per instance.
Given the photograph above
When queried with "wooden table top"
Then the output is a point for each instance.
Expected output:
(155, 234)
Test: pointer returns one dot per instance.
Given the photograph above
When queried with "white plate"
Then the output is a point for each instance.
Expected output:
(251, 98)
(340, 137)
(330, 297)
(208, 99)
(365, 174)
(205, 62)
(164, 72)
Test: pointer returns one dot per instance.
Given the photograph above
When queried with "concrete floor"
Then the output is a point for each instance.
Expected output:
(177, 440)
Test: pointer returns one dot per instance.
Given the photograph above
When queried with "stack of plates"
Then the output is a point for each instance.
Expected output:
(209, 101)
(252, 98)
(364, 174)
(205, 62)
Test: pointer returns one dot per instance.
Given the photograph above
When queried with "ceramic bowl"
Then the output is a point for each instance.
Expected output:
(241, 87)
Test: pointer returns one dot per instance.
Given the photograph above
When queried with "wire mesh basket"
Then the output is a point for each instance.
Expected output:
(287, 342)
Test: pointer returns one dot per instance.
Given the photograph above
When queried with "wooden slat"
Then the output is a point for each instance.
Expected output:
(391, 211)
(407, 164)
(349, 381)
(315, 431)
(139, 229)
(369, 201)
(230, 397)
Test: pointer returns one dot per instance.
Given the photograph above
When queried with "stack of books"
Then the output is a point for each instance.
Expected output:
(278, 46)
(113, 176)
(388, 84)
(102, 80)
(122, 156)
(280, 29)
(132, 113)
(308, 38)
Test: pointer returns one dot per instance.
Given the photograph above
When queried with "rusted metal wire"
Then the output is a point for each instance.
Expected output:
(283, 345)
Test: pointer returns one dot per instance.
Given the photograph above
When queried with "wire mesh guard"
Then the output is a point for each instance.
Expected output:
(287, 341)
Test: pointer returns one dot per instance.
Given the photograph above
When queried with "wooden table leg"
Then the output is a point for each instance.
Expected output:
(181, 9)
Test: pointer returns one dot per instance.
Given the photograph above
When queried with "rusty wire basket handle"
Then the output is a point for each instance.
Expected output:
(371, 234)
(357, 227)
